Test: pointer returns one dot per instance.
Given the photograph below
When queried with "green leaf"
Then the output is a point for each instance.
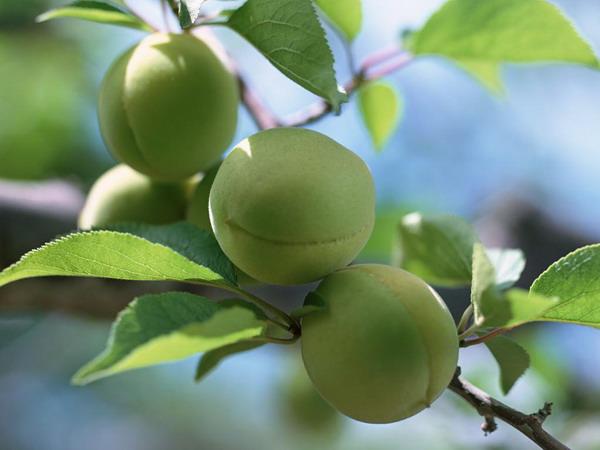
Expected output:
(312, 303)
(492, 307)
(197, 245)
(508, 264)
(189, 11)
(161, 328)
(380, 108)
(346, 15)
(96, 11)
(210, 360)
(14, 325)
(574, 280)
(488, 74)
(110, 254)
(513, 360)
(288, 33)
(382, 246)
(514, 308)
(438, 248)
(482, 285)
(481, 35)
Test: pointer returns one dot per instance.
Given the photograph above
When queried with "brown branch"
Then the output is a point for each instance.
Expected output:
(531, 425)
(390, 61)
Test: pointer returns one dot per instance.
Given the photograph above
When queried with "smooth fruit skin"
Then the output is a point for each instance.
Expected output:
(289, 206)
(124, 195)
(168, 107)
(383, 348)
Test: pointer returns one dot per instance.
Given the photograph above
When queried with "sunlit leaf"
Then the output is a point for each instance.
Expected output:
(380, 107)
(346, 15)
(161, 328)
(96, 11)
(481, 35)
(119, 255)
(574, 280)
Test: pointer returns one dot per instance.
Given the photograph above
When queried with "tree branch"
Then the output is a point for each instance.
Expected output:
(374, 67)
(531, 425)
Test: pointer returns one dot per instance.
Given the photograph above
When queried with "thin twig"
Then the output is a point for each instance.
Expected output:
(530, 425)
(390, 60)
(484, 338)
(367, 72)
(261, 115)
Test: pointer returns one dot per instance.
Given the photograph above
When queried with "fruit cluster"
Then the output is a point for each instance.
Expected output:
(287, 206)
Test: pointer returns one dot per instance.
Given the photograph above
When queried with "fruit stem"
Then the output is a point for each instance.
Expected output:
(274, 340)
(464, 320)
(468, 332)
(484, 338)
(287, 322)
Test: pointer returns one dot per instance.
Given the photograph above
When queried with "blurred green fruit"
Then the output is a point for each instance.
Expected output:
(197, 211)
(289, 206)
(42, 108)
(123, 195)
(304, 407)
(168, 107)
(198, 214)
(385, 346)
(21, 13)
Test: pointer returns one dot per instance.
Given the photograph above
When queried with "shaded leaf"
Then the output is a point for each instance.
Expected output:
(312, 303)
(288, 33)
(346, 15)
(210, 360)
(14, 325)
(574, 280)
(96, 11)
(168, 327)
(438, 248)
(513, 360)
(380, 109)
(189, 11)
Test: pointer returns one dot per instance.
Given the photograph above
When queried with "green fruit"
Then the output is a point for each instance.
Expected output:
(289, 206)
(168, 107)
(123, 195)
(197, 211)
(304, 407)
(383, 348)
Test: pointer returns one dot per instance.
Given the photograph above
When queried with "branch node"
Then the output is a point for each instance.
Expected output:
(489, 425)
(543, 413)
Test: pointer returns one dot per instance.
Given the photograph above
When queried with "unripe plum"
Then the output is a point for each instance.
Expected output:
(168, 107)
(289, 206)
(124, 195)
(383, 348)
(197, 211)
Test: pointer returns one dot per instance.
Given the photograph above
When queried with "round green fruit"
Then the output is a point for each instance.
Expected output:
(197, 211)
(168, 107)
(123, 195)
(383, 348)
(302, 405)
(289, 206)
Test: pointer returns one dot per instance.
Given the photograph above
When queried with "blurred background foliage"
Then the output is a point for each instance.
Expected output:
(523, 167)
